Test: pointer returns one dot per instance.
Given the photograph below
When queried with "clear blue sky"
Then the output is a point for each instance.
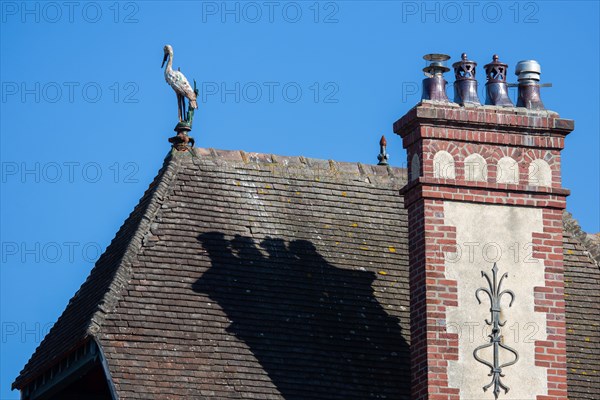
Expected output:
(86, 113)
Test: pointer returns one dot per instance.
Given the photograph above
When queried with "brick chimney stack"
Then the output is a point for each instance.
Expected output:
(485, 207)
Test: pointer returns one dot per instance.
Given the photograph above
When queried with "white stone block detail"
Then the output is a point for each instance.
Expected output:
(443, 165)
(507, 171)
(503, 234)
(540, 173)
(475, 168)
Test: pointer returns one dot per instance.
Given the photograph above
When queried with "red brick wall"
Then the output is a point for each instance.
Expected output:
(431, 293)
(552, 353)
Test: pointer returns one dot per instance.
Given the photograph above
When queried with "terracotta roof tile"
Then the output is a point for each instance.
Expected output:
(582, 291)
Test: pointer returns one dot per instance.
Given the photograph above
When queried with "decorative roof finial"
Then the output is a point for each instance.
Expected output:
(383, 156)
(183, 90)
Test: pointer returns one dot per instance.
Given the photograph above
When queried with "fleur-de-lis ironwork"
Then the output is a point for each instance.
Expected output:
(495, 293)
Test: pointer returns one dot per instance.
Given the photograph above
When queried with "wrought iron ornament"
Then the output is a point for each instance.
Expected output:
(495, 293)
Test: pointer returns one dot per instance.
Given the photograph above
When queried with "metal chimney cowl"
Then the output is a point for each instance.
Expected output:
(434, 86)
(465, 85)
(528, 73)
(496, 88)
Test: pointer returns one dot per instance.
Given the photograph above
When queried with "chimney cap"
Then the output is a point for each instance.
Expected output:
(528, 69)
(495, 61)
(437, 63)
(465, 68)
(463, 59)
(496, 70)
(436, 57)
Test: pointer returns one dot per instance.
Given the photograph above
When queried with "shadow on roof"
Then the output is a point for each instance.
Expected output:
(317, 330)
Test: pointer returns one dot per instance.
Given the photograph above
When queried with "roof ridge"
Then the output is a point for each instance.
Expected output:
(335, 166)
(109, 301)
(591, 246)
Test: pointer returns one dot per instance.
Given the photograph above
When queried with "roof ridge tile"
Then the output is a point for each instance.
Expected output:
(591, 246)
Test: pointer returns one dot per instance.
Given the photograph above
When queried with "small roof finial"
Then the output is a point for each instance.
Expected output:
(383, 155)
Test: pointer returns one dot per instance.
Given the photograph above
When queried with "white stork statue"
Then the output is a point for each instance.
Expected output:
(179, 83)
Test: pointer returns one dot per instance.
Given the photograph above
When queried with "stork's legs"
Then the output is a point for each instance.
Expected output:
(181, 108)
(179, 112)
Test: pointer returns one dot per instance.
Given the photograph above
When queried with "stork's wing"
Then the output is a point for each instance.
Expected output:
(181, 85)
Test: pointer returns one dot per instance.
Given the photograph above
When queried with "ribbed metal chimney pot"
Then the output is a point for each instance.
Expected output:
(465, 85)
(434, 86)
(496, 88)
(528, 73)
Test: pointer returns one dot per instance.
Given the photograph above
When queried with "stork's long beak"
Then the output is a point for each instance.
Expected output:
(165, 59)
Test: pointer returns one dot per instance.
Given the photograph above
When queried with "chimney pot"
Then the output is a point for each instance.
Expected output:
(496, 88)
(434, 86)
(465, 85)
(528, 73)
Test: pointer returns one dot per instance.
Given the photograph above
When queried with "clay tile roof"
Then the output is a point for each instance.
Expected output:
(582, 291)
(246, 275)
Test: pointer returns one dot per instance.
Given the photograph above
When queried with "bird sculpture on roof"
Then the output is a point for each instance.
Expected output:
(181, 86)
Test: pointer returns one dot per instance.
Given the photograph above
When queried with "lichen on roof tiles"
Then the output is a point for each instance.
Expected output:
(300, 291)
